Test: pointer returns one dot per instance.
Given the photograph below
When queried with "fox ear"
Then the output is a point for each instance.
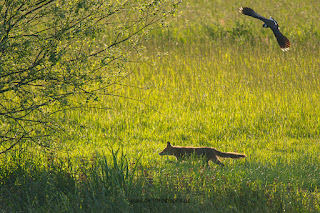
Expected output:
(168, 143)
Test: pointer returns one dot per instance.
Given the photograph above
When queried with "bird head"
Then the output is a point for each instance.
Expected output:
(275, 22)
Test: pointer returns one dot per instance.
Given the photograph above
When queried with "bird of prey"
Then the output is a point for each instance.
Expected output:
(282, 40)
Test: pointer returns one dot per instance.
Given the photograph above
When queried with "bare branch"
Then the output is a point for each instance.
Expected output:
(14, 144)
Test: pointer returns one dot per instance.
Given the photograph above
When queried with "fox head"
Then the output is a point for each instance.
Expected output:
(167, 150)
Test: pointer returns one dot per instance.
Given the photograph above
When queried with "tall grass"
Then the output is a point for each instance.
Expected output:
(94, 184)
(214, 78)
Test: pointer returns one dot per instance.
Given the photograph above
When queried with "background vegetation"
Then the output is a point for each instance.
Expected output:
(212, 78)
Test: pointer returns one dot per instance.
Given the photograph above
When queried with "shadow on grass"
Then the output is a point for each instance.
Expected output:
(112, 184)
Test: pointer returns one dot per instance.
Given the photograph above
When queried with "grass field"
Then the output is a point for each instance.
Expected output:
(213, 78)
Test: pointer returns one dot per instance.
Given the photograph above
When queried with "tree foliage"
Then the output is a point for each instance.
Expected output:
(53, 51)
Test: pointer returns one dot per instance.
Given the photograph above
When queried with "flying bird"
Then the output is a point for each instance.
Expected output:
(283, 42)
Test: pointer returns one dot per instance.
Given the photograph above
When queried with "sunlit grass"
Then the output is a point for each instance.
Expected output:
(212, 79)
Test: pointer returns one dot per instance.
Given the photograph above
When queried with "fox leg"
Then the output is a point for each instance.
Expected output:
(216, 160)
(179, 158)
(205, 162)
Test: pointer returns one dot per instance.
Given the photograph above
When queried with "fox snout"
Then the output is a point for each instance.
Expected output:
(163, 153)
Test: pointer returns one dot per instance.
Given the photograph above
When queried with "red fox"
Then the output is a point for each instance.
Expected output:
(208, 153)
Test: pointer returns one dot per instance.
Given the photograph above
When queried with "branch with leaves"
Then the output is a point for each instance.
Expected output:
(52, 51)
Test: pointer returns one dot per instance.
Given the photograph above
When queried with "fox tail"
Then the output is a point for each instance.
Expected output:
(230, 155)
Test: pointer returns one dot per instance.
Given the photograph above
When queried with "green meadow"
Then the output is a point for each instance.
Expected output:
(213, 77)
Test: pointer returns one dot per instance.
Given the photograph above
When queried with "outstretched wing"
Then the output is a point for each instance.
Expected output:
(249, 12)
(283, 41)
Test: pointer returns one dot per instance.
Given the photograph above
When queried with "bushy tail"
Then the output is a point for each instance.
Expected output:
(230, 155)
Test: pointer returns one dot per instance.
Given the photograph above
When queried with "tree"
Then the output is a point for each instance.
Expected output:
(53, 51)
